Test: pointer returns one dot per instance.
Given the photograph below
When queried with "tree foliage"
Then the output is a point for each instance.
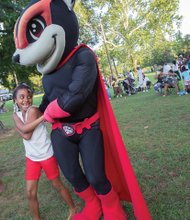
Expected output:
(124, 34)
(134, 28)
(10, 73)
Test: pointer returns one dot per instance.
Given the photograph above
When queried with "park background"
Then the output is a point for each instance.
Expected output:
(155, 129)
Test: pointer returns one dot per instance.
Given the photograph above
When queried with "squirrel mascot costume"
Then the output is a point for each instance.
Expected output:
(76, 104)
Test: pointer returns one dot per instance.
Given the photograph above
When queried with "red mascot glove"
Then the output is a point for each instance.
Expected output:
(53, 111)
(48, 118)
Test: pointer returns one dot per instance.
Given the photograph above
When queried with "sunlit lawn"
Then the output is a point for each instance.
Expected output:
(156, 131)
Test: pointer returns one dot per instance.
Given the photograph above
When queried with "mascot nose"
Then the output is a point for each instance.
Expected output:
(16, 58)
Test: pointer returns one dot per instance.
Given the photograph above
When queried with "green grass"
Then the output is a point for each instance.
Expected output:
(156, 131)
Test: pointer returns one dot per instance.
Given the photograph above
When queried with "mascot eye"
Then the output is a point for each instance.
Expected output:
(35, 28)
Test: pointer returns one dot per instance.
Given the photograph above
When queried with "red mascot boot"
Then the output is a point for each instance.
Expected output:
(112, 209)
(92, 209)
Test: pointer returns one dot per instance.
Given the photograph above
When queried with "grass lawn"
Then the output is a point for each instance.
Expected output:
(156, 131)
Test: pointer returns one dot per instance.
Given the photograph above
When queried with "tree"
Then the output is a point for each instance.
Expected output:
(182, 44)
(10, 73)
(132, 26)
(129, 32)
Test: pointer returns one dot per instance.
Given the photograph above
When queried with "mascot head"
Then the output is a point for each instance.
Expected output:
(45, 33)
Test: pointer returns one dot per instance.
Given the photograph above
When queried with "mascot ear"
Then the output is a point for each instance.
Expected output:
(70, 4)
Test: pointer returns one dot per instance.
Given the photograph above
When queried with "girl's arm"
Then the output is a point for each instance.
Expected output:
(25, 136)
(33, 120)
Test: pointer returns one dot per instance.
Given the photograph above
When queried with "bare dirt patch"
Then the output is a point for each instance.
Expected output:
(1, 186)
(6, 133)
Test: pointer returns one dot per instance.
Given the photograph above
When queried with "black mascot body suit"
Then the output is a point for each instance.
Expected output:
(76, 104)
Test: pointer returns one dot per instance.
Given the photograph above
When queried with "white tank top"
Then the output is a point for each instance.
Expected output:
(39, 147)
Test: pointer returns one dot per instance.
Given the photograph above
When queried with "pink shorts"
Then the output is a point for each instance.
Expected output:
(33, 168)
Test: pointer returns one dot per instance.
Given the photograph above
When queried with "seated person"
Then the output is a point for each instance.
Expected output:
(160, 83)
(147, 83)
(170, 81)
(129, 86)
(186, 78)
(131, 75)
(116, 84)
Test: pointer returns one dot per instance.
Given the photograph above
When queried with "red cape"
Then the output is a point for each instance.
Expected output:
(117, 164)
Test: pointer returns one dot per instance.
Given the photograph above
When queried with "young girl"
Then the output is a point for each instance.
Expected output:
(39, 153)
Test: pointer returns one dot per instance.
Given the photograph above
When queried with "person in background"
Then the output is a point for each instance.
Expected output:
(147, 83)
(107, 86)
(166, 68)
(159, 83)
(38, 149)
(186, 78)
(140, 78)
(170, 81)
(188, 61)
(116, 84)
(175, 69)
(2, 104)
(181, 61)
(131, 75)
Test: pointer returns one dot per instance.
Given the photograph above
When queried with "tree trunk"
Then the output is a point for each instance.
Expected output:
(107, 53)
(15, 78)
(115, 66)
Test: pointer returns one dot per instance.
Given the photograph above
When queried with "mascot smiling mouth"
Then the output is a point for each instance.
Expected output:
(46, 52)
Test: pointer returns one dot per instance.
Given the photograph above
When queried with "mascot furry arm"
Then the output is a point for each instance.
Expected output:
(46, 35)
